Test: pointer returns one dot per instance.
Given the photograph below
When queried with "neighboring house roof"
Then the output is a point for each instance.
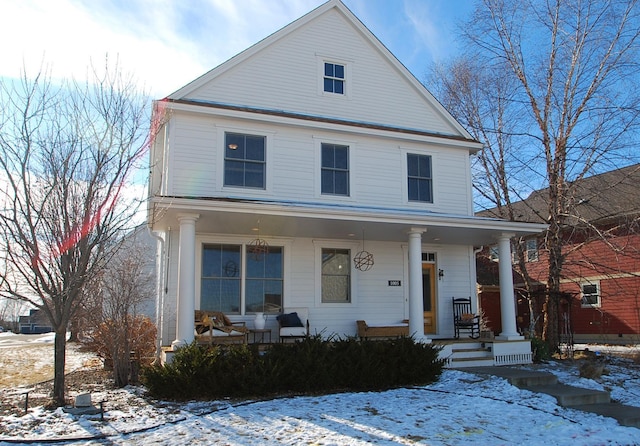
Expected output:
(245, 64)
(602, 198)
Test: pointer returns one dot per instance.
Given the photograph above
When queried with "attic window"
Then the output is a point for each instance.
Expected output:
(334, 77)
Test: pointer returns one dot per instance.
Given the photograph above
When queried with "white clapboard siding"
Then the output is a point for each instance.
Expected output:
(286, 75)
(377, 175)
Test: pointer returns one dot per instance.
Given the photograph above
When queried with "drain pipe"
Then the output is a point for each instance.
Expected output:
(161, 289)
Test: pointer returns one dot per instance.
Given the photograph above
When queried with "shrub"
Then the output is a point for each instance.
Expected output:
(310, 366)
(540, 350)
(118, 342)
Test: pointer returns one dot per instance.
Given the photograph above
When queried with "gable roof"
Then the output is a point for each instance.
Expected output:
(185, 94)
(602, 198)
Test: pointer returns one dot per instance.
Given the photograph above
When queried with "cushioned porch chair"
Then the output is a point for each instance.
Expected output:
(214, 327)
(293, 323)
(464, 318)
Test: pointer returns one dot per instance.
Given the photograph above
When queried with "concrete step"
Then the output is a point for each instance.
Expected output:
(460, 353)
(517, 377)
(464, 363)
(569, 396)
(587, 400)
(625, 415)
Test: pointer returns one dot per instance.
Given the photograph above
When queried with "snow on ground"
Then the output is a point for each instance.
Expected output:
(460, 409)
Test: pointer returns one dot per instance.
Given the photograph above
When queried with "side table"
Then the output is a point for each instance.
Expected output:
(262, 339)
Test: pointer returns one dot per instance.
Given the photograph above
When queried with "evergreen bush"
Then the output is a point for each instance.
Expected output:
(313, 365)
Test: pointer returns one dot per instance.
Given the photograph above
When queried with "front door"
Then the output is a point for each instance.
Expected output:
(429, 296)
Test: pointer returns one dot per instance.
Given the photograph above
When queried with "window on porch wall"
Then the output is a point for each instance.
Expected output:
(222, 279)
(336, 275)
(263, 285)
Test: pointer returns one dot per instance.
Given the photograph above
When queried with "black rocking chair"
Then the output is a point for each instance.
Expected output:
(464, 318)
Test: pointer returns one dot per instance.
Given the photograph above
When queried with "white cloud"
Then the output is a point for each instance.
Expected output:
(164, 44)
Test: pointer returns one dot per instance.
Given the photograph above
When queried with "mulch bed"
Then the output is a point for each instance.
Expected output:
(12, 400)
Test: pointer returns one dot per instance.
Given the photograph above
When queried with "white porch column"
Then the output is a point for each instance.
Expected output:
(186, 302)
(507, 295)
(416, 307)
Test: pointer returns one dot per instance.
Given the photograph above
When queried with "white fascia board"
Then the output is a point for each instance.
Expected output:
(396, 216)
(352, 128)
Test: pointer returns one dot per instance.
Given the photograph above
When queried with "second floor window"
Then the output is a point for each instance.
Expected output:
(334, 78)
(335, 169)
(532, 250)
(420, 179)
(244, 160)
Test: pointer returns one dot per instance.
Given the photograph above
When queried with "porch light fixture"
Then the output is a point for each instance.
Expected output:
(440, 274)
(364, 259)
(258, 247)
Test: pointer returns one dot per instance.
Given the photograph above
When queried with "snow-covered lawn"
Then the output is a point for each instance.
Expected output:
(461, 408)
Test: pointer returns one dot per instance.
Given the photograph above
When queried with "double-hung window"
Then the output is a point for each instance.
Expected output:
(264, 280)
(244, 160)
(221, 280)
(334, 77)
(336, 275)
(420, 179)
(532, 250)
(590, 294)
(229, 269)
(335, 169)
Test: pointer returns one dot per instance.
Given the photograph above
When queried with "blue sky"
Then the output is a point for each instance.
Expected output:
(165, 44)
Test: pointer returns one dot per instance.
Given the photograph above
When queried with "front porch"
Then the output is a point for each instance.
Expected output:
(458, 353)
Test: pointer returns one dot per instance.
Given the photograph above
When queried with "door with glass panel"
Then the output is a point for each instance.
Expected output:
(429, 296)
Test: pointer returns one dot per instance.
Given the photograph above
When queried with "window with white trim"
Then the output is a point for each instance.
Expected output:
(334, 78)
(245, 160)
(335, 169)
(420, 178)
(590, 294)
(336, 275)
(227, 269)
(531, 247)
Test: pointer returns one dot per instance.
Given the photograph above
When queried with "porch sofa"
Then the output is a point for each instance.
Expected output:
(214, 327)
(366, 331)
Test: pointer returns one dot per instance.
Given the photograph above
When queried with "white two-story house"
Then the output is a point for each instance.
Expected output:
(314, 170)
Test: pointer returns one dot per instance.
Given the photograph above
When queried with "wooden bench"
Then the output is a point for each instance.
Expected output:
(366, 331)
(214, 327)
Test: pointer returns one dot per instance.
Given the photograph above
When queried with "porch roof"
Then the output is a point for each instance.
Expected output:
(238, 216)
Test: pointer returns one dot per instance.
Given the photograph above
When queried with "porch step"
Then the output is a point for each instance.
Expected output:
(463, 363)
(470, 354)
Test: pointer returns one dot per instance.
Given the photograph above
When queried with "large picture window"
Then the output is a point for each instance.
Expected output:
(420, 179)
(336, 275)
(223, 280)
(244, 160)
(335, 169)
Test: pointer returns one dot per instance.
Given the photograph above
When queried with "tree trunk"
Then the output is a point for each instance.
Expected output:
(60, 351)
(550, 331)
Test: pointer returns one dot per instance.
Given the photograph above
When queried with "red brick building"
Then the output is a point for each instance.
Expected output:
(601, 269)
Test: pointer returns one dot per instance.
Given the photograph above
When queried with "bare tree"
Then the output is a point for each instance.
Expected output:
(568, 72)
(115, 312)
(68, 151)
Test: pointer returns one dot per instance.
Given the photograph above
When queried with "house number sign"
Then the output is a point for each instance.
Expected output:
(394, 283)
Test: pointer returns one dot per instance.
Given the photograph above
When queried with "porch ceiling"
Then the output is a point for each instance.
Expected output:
(277, 219)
